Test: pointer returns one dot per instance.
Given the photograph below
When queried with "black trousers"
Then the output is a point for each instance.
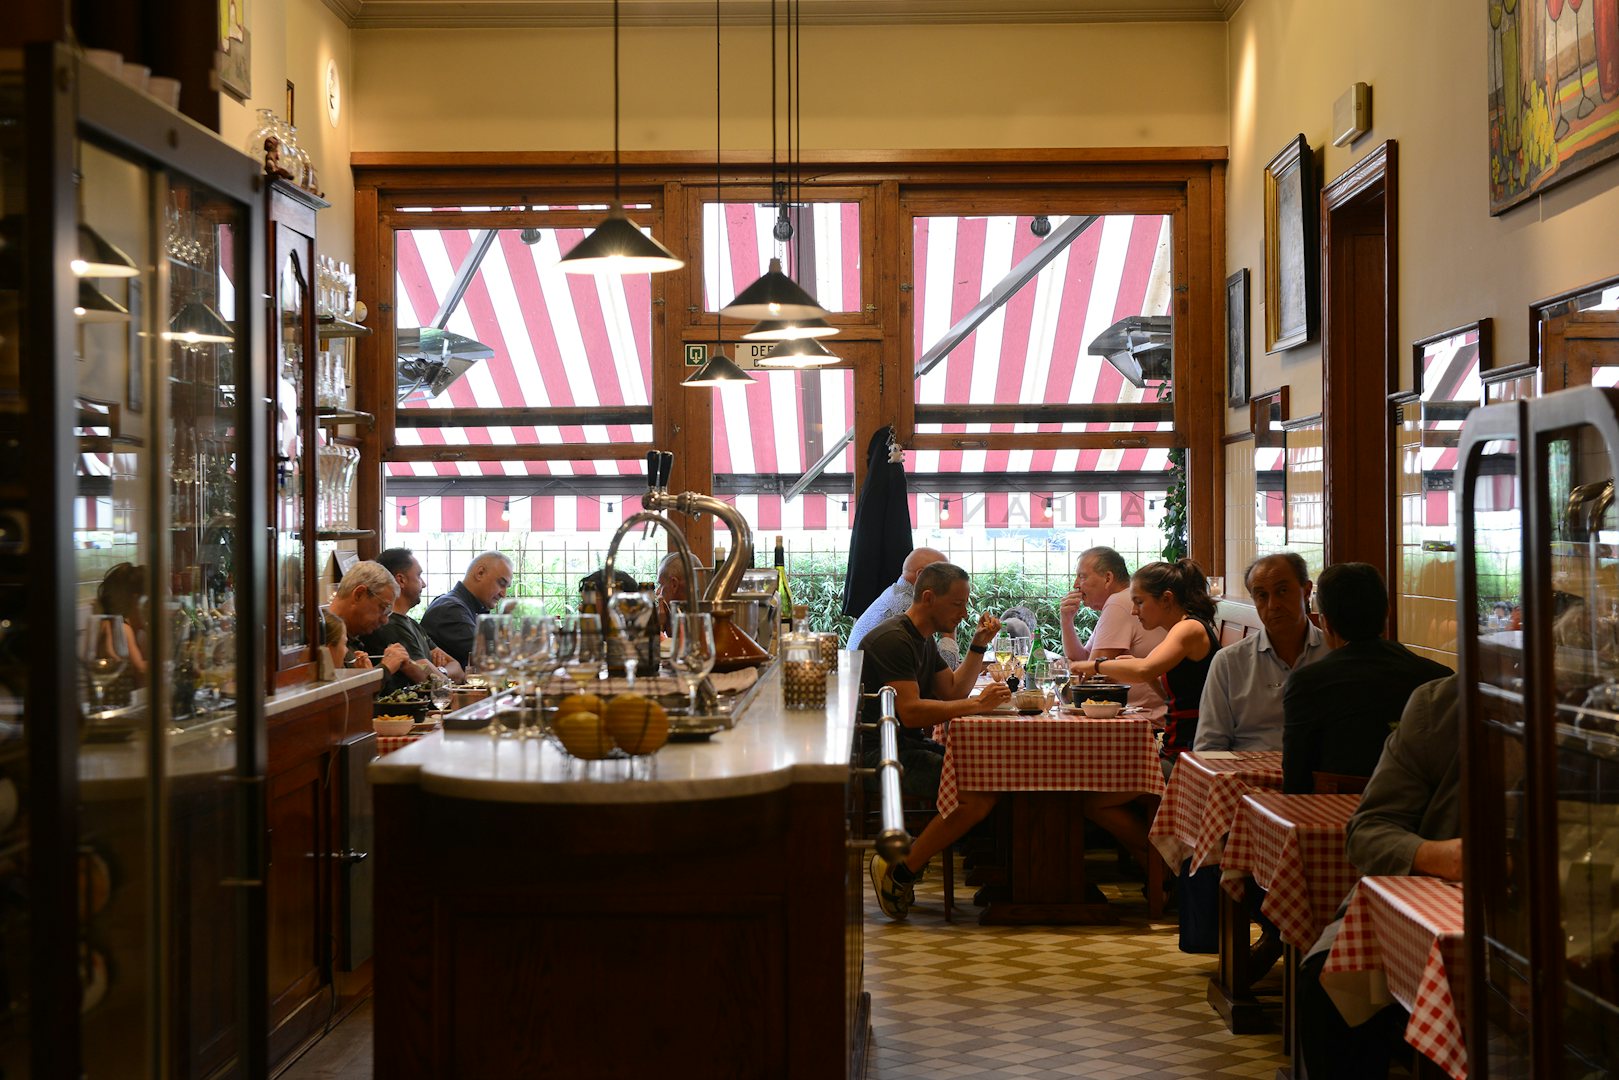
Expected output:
(1332, 1050)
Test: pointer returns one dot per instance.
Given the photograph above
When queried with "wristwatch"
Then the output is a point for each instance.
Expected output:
(977, 648)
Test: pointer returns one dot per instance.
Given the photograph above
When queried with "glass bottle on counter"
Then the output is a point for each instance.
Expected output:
(784, 594)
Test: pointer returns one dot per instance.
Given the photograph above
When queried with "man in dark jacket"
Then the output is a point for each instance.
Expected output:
(1338, 711)
(451, 619)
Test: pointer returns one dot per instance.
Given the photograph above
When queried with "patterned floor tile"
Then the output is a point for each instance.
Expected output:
(1046, 1003)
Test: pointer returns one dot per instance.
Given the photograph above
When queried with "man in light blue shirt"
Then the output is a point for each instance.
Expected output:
(1241, 707)
(896, 600)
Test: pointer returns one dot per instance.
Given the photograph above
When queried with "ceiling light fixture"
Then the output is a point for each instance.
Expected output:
(798, 353)
(790, 330)
(617, 245)
(718, 369)
(1040, 226)
(506, 510)
(404, 518)
(944, 510)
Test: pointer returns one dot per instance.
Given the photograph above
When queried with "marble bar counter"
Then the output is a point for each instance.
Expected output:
(537, 915)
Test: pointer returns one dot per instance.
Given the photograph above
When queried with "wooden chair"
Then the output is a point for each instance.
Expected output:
(1331, 783)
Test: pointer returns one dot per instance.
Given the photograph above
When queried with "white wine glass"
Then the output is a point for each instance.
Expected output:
(584, 655)
(692, 654)
(105, 655)
(536, 648)
(440, 690)
(631, 612)
(491, 654)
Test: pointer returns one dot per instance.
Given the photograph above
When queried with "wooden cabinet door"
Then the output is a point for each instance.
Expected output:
(299, 888)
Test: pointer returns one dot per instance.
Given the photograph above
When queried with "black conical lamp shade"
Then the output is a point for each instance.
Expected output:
(717, 371)
(618, 246)
(798, 353)
(96, 306)
(774, 296)
(790, 330)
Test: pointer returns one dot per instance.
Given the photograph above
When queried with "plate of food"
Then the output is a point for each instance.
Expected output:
(693, 732)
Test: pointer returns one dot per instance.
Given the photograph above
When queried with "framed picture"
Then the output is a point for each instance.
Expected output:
(1448, 366)
(1236, 338)
(1292, 262)
(1552, 94)
(234, 55)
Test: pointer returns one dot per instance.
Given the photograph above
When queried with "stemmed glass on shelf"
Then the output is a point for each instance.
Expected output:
(440, 689)
(692, 656)
(105, 654)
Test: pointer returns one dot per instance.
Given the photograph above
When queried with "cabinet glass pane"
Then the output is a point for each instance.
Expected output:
(292, 284)
(15, 614)
(1500, 867)
(1585, 631)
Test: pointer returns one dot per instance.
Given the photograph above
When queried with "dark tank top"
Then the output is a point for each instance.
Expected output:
(1183, 689)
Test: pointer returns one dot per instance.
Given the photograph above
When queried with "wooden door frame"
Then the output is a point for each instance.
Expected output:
(1371, 178)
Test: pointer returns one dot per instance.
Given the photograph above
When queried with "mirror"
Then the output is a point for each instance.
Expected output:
(1575, 336)
(1266, 415)
(1447, 369)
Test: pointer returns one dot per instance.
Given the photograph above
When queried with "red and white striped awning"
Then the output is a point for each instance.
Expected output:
(562, 340)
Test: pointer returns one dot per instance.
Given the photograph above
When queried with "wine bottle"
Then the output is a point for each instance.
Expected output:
(784, 594)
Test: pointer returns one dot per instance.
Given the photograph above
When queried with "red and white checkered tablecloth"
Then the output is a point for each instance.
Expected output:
(1402, 939)
(1202, 799)
(387, 744)
(1014, 753)
(1293, 847)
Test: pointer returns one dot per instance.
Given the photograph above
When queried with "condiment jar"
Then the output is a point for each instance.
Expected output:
(803, 676)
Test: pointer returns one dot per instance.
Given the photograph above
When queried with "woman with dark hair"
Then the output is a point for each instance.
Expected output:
(1173, 597)
(121, 593)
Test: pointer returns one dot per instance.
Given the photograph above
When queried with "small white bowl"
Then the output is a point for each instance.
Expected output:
(393, 727)
(1101, 710)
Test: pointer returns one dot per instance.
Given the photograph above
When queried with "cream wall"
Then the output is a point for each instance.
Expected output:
(883, 87)
(1426, 63)
(293, 39)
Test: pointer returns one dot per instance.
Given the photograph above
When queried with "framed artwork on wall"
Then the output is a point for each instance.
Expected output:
(1292, 262)
(234, 55)
(1236, 338)
(1553, 94)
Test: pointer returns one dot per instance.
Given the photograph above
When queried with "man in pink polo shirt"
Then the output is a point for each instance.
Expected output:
(1103, 585)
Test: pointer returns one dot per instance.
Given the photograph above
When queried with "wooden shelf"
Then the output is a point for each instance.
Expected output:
(331, 418)
(345, 534)
(330, 326)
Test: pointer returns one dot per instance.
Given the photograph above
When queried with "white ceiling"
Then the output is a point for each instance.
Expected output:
(377, 14)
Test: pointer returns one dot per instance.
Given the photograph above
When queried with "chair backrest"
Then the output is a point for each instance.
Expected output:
(1331, 783)
(1234, 621)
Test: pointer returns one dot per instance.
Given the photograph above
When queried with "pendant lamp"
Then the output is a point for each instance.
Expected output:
(774, 296)
(790, 330)
(100, 257)
(798, 353)
(719, 369)
(96, 306)
(617, 245)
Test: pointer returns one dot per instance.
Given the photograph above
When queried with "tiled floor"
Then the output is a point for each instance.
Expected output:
(963, 1000)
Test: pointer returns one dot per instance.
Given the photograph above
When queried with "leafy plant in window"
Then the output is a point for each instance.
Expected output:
(1174, 522)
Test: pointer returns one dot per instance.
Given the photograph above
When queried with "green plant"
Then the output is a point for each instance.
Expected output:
(1174, 523)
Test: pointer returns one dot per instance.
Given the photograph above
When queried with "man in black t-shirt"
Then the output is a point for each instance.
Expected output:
(404, 630)
(900, 652)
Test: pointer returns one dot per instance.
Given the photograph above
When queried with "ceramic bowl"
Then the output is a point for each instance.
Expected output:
(1101, 710)
(399, 726)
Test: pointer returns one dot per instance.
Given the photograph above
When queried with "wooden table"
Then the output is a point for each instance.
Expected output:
(1048, 764)
(1401, 941)
(1293, 848)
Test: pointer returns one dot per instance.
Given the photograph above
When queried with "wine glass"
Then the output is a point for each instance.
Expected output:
(583, 663)
(536, 651)
(439, 689)
(105, 654)
(692, 656)
(631, 612)
(490, 658)
(1054, 680)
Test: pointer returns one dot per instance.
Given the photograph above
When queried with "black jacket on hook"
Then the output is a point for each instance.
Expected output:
(881, 537)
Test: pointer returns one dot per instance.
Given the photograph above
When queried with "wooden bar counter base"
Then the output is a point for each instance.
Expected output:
(533, 921)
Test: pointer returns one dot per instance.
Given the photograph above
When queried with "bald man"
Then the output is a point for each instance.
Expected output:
(897, 599)
(451, 619)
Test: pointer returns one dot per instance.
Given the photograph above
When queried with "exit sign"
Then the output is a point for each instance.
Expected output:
(747, 354)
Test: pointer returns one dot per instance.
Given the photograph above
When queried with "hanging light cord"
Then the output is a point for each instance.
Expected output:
(719, 203)
(618, 199)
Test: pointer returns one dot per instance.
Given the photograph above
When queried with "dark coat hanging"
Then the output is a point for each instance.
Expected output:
(881, 537)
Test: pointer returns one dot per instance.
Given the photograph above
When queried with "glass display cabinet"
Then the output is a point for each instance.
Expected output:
(133, 551)
(1540, 673)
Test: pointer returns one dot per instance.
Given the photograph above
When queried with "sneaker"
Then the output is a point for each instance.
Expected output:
(895, 899)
